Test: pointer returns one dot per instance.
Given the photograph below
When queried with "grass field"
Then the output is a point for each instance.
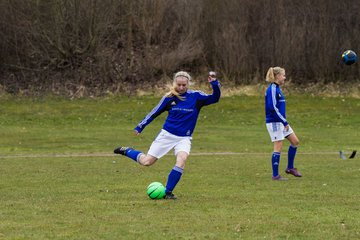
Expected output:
(59, 179)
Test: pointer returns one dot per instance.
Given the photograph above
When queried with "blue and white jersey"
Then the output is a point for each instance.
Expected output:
(182, 114)
(275, 106)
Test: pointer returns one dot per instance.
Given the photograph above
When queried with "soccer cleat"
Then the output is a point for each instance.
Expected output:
(170, 195)
(279, 178)
(121, 150)
(353, 154)
(293, 171)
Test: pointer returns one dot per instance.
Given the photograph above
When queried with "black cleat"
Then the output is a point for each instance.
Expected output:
(121, 150)
(353, 154)
(170, 195)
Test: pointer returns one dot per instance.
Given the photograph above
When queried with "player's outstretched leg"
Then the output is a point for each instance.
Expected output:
(129, 152)
(137, 156)
(121, 150)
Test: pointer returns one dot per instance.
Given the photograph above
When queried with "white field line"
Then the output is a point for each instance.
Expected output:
(113, 155)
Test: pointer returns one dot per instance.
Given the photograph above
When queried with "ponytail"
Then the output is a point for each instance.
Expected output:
(272, 72)
(270, 75)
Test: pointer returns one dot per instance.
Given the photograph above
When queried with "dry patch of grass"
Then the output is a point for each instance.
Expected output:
(228, 89)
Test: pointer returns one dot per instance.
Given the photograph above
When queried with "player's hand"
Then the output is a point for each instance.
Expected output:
(287, 127)
(212, 76)
(136, 133)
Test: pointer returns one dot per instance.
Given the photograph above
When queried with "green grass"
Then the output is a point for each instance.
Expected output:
(220, 196)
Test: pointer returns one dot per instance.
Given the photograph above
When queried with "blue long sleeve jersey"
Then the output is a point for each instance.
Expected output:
(275, 107)
(182, 114)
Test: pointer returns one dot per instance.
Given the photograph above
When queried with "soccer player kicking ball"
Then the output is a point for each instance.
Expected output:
(183, 106)
(276, 123)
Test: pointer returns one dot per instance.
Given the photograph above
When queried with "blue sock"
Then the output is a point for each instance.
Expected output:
(275, 160)
(291, 156)
(173, 178)
(133, 154)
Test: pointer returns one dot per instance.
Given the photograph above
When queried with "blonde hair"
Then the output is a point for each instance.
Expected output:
(272, 72)
(172, 87)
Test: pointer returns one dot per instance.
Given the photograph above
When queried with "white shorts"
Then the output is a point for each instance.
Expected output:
(277, 131)
(166, 141)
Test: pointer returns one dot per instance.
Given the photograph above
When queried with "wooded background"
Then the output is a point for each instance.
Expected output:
(98, 46)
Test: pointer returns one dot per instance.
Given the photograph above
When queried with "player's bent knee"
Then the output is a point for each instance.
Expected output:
(148, 161)
(181, 159)
(182, 156)
(295, 143)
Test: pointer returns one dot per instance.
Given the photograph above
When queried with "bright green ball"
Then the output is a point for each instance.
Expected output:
(156, 190)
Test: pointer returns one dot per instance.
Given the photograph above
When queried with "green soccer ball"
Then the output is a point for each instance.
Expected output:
(155, 190)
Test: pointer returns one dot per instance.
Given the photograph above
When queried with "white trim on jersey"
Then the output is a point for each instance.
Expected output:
(152, 112)
(198, 91)
(273, 96)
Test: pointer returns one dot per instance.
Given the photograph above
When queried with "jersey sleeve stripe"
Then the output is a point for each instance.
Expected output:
(273, 96)
(155, 109)
(198, 91)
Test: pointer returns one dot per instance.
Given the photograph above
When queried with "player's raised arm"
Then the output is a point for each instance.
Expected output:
(207, 99)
